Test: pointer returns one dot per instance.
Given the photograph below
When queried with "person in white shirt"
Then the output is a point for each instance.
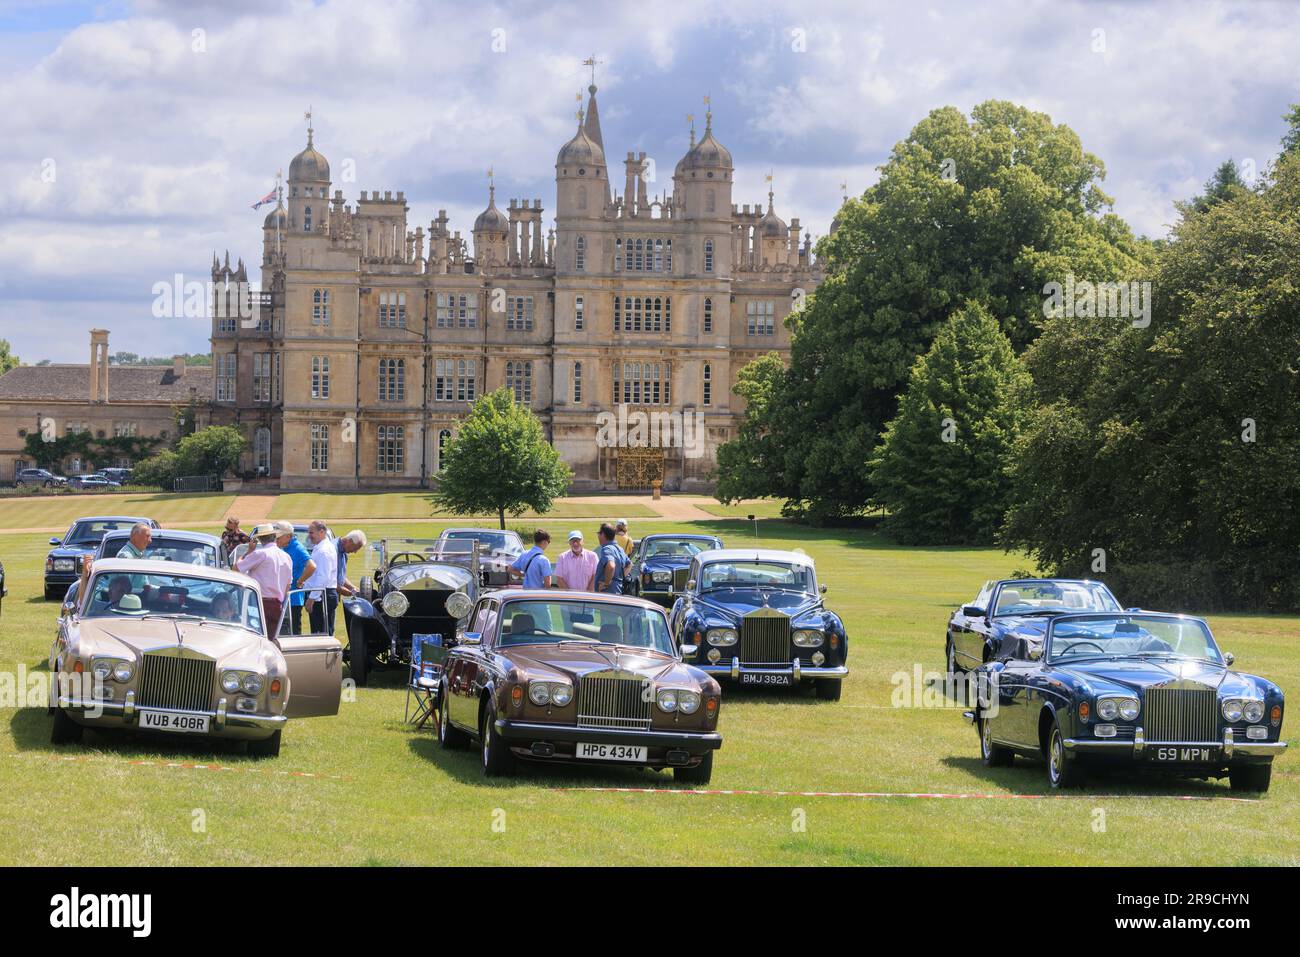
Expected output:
(323, 599)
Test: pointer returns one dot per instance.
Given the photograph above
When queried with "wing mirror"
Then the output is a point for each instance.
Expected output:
(1229, 658)
(822, 589)
(472, 638)
(690, 584)
(1035, 653)
(56, 541)
(973, 611)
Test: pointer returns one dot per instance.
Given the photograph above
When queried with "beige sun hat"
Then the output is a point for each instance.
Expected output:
(266, 530)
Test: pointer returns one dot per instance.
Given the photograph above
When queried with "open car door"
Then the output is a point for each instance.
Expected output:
(315, 665)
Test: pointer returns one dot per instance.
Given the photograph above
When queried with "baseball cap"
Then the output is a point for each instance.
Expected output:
(621, 523)
(575, 534)
(283, 528)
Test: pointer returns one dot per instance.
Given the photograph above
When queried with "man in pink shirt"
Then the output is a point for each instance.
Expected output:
(271, 568)
(576, 568)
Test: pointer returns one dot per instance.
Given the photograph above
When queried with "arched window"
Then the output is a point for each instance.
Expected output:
(708, 384)
(708, 315)
(577, 382)
(444, 436)
(708, 255)
(306, 219)
(262, 450)
(392, 380)
(519, 379)
(580, 254)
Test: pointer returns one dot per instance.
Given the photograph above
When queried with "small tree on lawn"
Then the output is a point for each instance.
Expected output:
(211, 451)
(500, 462)
(941, 470)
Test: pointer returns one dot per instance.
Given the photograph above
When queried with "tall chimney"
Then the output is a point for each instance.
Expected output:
(178, 366)
(98, 365)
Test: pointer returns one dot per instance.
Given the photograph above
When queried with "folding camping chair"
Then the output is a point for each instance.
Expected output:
(427, 654)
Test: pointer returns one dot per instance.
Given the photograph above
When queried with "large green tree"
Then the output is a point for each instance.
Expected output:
(500, 462)
(940, 470)
(1167, 458)
(984, 209)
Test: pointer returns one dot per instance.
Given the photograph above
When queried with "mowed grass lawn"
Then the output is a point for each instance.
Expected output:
(58, 511)
(363, 788)
(417, 506)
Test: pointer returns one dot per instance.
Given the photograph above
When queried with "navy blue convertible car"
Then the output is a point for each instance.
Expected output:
(1143, 690)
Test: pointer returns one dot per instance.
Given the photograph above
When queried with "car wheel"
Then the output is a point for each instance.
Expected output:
(828, 689)
(991, 754)
(65, 730)
(51, 595)
(266, 748)
(48, 484)
(497, 759)
(702, 773)
(951, 654)
(1251, 777)
(1062, 768)
(449, 737)
(358, 655)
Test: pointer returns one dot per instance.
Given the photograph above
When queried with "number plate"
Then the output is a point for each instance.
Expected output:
(185, 722)
(1181, 754)
(777, 681)
(609, 752)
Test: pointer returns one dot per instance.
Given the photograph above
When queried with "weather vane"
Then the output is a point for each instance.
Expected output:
(591, 61)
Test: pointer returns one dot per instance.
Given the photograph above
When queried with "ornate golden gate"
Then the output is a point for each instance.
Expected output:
(639, 468)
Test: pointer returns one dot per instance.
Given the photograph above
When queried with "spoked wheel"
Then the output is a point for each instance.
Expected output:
(993, 755)
(1062, 768)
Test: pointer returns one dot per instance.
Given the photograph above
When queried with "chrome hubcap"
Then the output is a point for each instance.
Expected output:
(1054, 765)
(985, 737)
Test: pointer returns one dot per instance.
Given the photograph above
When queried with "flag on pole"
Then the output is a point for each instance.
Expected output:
(268, 198)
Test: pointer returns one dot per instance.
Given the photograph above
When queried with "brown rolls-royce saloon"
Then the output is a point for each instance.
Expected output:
(182, 649)
(577, 677)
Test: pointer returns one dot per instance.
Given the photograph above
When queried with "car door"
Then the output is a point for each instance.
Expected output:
(463, 668)
(969, 632)
(1014, 698)
(315, 667)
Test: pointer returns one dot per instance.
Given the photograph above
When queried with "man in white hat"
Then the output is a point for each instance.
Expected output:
(576, 568)
(622, 537)
(270, 567)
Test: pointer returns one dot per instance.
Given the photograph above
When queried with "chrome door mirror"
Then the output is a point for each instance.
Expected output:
(1036, 653)
(822, 589)
(690, 584)
(1229, 658)
(472, 638)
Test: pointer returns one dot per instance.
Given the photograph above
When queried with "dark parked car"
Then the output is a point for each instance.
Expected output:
(661, 563)
(120, 476)
(1009, 617)
(171, 545)
(27, 477)
(756, 616)
(63, 563)
(1143, 690)
(419, 588)
(552, 675)
(90, 482)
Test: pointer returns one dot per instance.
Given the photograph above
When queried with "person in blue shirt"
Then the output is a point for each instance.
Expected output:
(533, 568)
(303, 567)
(611, 562)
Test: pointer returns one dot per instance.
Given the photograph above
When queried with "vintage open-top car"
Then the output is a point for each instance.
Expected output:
(567, 676)
(756, 616)
(63, 563)
(182, 649)
(661, 564)
(1144, 690)
(1010, 616)
(419, 588)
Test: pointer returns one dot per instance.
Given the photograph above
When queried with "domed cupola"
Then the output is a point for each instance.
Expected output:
(707, 154)
(582, 150)
(277, 218)
(492, 220)
(772, 225)
(309, 166)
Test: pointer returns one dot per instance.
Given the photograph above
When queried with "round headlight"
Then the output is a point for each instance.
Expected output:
(102, 669)
(808, 639)
(1232, 709)
(1107, 708)
(539, 692)
(122, 671)
(561, 695)
(662, 577)
(230, 682)
(252, 683)
(459, 604)
(667, 700)
(713, 655)
(394, 604)
(1129, 708)
(688, 702)
(722, 636)
(1253, 710)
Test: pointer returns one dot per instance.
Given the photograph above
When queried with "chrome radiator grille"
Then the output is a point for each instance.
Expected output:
(1181, 714)
(167, 681)
(614, 701)
(680, 577)
(765, 640)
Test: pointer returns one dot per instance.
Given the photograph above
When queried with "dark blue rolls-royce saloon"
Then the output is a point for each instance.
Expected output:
(1144, 690)
(756, 616)
(661, 564)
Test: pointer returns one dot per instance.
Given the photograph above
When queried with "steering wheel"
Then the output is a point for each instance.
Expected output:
(1070, 650)
(407, 558)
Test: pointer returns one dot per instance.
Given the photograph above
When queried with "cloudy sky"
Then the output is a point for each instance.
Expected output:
(136, 134)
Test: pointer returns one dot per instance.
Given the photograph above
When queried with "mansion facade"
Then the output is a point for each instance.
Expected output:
(369, 340)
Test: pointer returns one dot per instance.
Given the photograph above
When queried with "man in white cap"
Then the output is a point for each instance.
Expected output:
(270, 567)
(576, 568)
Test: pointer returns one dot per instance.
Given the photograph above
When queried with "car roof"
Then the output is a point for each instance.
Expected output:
(1166, 615)
(754, 554)
(153, 566)
(565, 594)
(675, 535)
(176, 533)
(491, 531)
(112, 518)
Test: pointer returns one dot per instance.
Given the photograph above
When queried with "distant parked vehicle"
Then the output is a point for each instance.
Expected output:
(91, 482)
(120, 476)
(63, 563)
(41, 477)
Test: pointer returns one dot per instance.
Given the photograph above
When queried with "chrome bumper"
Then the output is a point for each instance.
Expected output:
(1228, 747)
(797, 670)
(223, 724)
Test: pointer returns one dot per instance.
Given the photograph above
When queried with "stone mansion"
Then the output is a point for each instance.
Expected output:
(370, 339)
